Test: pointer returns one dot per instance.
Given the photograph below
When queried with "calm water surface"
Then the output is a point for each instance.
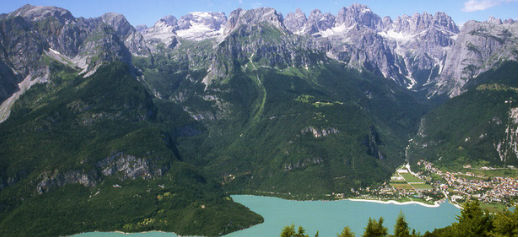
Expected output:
(328, 217)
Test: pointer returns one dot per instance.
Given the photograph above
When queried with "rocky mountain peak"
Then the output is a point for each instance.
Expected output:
(420, 22)
(442, 19)
(494, 20)
(387, 21)
(168, 20)
(118, 22)
(162, 31)
(253, 17)
(358, 14)
(295, 21)
(479, 47)
(36, 13)
(319, 21)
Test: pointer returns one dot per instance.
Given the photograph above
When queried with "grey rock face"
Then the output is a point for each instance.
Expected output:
(419, 52)
(21, 48)
(259, 36)
(163, 31)
(32, 31)
(301, 164)
(73, 37)
(133, 40)
(478, 47)
(37, 13)
(119, 23)
(253, 17)
(319, 21)
(129, 167)
(169, 20)
(317, 133)
(295, 21)
(410, 50)
(8, 81)
(50, 180)
(421, 22)
(420, 43)
(358, 14)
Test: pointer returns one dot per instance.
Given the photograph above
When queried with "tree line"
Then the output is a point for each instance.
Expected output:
(472, 221)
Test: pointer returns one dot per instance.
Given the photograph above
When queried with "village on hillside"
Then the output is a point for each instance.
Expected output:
(496, 187)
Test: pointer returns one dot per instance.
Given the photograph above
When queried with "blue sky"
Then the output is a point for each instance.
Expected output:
(149, 11)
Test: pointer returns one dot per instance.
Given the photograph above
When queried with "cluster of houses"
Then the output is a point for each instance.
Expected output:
(467, 185)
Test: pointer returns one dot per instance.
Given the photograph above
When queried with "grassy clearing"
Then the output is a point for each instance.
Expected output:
(411, 178)
(494, 207)
(422, 186)
(401, 186)
(500, 172)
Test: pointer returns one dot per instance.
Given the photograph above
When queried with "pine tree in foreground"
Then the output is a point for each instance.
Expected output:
(375, 228)
(401, 227)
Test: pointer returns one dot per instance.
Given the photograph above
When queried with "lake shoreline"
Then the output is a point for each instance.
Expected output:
(395, 202)
(290, 213)
(358, 199)
(135, 233)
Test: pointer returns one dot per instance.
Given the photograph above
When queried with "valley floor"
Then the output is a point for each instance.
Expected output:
(495, 188)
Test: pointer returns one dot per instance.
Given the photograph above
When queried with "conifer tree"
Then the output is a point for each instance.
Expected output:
(401, 227)
(472, 221)
(506, 223)
(375, 228)
(346, 232)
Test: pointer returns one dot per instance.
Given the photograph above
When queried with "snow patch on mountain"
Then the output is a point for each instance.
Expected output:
(397, 36)
(340, 30)
(199, 31)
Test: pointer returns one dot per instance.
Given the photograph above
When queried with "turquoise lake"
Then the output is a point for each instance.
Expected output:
(328, 217)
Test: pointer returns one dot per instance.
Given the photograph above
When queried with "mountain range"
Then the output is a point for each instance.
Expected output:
(151, 128)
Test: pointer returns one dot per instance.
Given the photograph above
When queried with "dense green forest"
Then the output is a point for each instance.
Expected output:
(471, 128)
(125, 174)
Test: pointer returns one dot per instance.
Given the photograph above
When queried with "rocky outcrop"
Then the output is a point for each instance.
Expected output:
(54, 179)
(250, 18)
(318, 133)
(373, 142)
(121, 165)
(31, 33)
(358, 14)
(296, 21)
(133, 40)
(419, 52)
(129, 167)
(507, 148)
(90, 41)
(479, 47)
(301, 164)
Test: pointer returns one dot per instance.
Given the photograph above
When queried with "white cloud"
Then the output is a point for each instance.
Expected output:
(480, 5)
